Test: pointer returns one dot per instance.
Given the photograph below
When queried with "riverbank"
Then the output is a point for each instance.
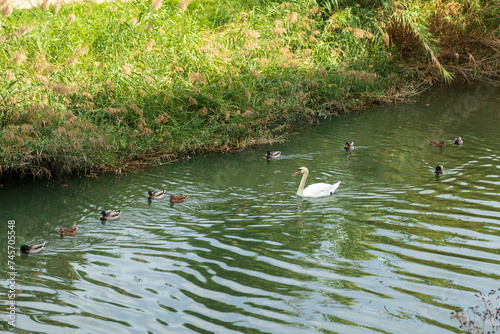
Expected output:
(93, 87)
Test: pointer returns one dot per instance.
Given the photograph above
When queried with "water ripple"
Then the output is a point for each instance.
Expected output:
(394, 250)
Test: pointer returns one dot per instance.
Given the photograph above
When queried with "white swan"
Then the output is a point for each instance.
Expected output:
(316, 189)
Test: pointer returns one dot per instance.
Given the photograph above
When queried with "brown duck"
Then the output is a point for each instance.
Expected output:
(178, 198)
(436, 143)
(69, 230)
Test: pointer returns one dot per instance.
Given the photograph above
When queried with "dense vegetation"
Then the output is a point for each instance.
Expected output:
(94, 87)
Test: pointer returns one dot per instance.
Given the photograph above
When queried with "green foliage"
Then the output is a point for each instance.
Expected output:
(411, 18)
(86, 85)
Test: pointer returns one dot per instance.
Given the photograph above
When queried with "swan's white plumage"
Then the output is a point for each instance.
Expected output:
(319, 190)
(315, 189)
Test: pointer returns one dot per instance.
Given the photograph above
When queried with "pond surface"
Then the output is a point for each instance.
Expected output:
(394, 250)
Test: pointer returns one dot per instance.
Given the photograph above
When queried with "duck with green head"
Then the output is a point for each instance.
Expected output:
(458, 141)
(439, 169)
(349, 145)
(158, 194)
(273, 154)
(33, 248)
(111, 215)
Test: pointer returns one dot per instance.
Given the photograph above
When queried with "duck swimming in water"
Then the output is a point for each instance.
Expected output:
(349, 145)
(33, 248)
(158, 194)
(110, 215)
(458, 141)
(68, 230)
(439, 169)
(177, 198)
(273, 154)
(436, 143)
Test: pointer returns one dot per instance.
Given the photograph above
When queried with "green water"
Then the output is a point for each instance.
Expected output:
(394, 250)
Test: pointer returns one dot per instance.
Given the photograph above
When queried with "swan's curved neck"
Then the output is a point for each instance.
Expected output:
(300, 191)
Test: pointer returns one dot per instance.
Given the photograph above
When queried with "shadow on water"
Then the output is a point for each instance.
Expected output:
(394, 250)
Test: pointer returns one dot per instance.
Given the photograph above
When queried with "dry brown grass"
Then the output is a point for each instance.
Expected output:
(6, 8)
(484, 319)
(156, 4)
(44, 4)
(197, 78)
(183, 4)
(462, 50)
(62, 89)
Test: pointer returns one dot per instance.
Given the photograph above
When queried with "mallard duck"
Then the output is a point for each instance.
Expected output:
(68, 230)
(436, 143)
(111, 215)
(349, 145)
(159, 194)
(439, 169)
(33, 248)
(178, 198)
(458, 141)
(273, 154)
(315, 189)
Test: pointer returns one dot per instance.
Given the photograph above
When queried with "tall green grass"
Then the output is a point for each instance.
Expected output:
(86, 87)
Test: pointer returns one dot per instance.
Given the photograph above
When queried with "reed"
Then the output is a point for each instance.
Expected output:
(481, 319)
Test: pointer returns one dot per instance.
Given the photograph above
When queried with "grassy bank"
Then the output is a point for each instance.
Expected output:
(93, 87)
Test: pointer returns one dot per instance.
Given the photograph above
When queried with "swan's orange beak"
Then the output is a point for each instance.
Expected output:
(297, 172)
